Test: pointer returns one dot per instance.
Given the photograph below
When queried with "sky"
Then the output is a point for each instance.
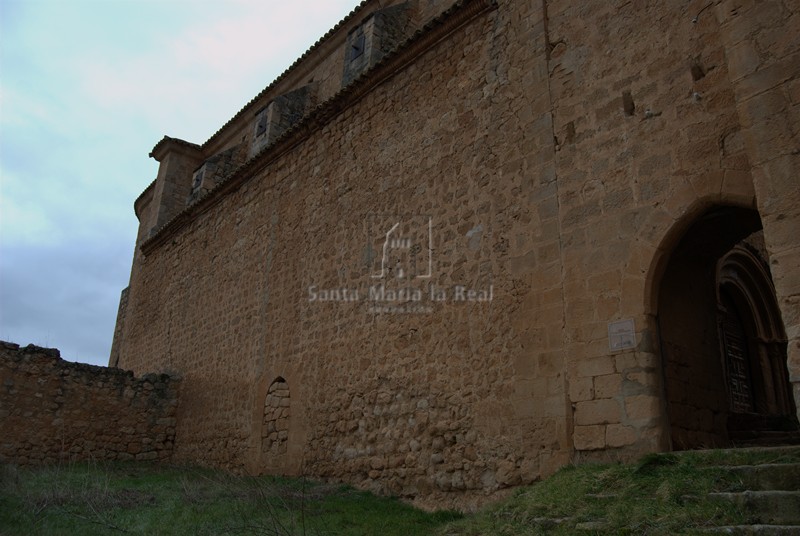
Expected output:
(87, 88)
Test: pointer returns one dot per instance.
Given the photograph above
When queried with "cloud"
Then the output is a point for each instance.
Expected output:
(194, 79)
(87, 88)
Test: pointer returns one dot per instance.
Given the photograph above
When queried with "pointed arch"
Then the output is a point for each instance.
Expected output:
(721, 338)
(746, 296)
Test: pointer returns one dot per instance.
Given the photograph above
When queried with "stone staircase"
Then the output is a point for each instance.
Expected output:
(763, 483)
(768, 494)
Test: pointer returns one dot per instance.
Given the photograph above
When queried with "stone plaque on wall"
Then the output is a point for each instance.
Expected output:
(621, 334)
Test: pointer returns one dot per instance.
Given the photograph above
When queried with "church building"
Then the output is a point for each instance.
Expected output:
(459, 244)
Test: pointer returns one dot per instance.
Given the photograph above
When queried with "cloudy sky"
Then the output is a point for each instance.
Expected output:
(87, 87)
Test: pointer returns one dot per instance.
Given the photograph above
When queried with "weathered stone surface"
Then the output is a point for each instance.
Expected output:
(618, 435)
(561, 165)
(602, 411)
(55, 410)
(590, 437)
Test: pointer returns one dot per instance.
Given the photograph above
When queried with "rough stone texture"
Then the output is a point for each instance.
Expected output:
(562, 151)
(766, 101)
(275, 431)
(54, 410)
(119, 328)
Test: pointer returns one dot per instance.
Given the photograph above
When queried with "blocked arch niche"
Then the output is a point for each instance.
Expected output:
(277, 415)
(721, 337)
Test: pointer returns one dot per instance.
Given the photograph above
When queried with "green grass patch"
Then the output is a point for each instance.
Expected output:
(149, 499)
(661, 494)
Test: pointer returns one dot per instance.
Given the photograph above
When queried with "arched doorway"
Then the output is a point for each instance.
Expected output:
(722, 340)
(752, 344)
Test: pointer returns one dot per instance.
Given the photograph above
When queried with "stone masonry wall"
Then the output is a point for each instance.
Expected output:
(117, 340)
(641, 103)
(456, 399)
(762, 45)
(54, 410)
(275, 431)
(559, 149)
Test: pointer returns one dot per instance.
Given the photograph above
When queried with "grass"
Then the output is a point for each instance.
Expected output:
(661, 494)
(149, 499)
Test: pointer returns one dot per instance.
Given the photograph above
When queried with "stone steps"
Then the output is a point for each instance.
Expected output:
(765, 439)
(761, 530)
(771, 507)
(771, 476)
(768, 494)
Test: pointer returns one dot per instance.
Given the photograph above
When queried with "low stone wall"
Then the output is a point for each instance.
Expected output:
(53, 410)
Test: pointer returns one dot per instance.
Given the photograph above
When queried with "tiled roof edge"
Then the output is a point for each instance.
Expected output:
(166, 139)
(144, 192)
(434, 31)
(286, 72)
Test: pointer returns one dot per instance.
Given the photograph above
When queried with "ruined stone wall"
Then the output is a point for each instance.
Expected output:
(54, 410)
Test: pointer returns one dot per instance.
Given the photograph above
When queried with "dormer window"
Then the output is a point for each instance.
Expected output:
(201, 181)
(357, 46)
(379, 34)
(214, 170)
(198, 178)
(279, 116)
(261, 127)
